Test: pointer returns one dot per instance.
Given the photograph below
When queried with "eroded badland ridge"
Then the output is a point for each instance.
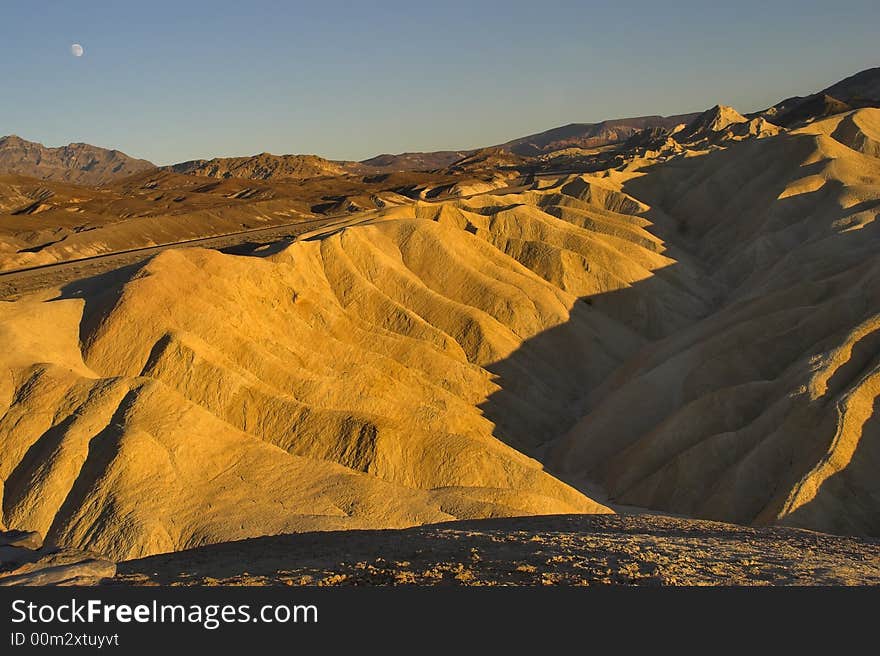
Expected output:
(682, 318)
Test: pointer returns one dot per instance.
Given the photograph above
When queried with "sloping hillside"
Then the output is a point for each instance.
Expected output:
(264, 166)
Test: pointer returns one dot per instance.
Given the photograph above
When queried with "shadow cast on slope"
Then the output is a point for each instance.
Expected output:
(861, 518)
(99, 294)
(532, 410)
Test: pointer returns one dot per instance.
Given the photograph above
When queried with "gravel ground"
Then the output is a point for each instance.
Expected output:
(552, 550)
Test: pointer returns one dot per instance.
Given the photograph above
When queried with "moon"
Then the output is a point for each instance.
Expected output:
(76, 50)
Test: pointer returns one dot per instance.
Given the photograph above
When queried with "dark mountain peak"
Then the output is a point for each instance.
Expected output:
(263, 166)
(77, 162)
(854, 92)
(590, 135)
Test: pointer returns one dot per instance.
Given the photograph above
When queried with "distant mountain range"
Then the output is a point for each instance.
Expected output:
(85, 164)
(78, 162)
(416, 161)
(591, 135)
(574, 135)
(857, 91)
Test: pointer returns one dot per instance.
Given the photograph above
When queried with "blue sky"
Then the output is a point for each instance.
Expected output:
(171, 81)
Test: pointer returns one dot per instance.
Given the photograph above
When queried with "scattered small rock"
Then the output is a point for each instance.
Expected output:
(25, 560)
(21, 539)
(89, 571)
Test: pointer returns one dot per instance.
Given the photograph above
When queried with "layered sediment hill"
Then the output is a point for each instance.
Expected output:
(696, 335)
(720, 125)
(264, 166)
(347, 382)
(713, 120)
(487, 159)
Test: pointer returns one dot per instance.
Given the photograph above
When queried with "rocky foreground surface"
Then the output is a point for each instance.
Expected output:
(26, 560)
(548, 550)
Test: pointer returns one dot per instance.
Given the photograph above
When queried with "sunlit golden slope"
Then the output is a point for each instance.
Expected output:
(350, 381)
(176, 442)
(697, 337)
